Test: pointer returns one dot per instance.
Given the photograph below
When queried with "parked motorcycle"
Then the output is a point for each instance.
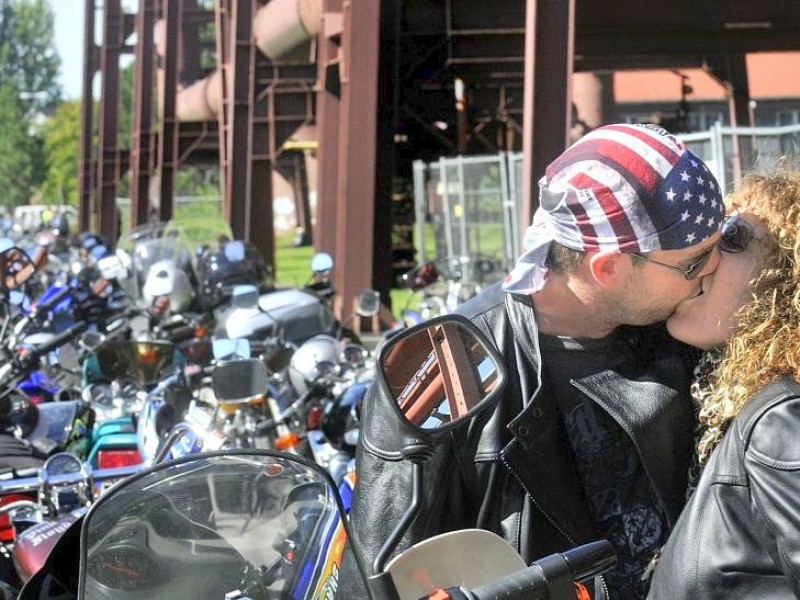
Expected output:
(266, 525)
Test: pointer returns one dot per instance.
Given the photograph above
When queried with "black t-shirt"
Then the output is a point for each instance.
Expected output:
(618, 490)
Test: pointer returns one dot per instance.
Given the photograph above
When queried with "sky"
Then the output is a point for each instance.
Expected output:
(69, 43)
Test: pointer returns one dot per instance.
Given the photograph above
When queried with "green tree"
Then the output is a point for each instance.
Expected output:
(28, 55)
(61, 133)
(18, 150)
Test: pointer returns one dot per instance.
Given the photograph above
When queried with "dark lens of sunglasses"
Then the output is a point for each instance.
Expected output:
(736, 234)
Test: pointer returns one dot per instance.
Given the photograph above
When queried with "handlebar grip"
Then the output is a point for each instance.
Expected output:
(533, 582)
(59, 340)
(590, 559)
(50, 303)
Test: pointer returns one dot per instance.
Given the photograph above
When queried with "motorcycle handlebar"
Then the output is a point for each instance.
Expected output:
(59, 340)
(535, 581)
(32, 484)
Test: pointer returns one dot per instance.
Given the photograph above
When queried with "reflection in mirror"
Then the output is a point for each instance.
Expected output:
(439, 374)
(239, 380)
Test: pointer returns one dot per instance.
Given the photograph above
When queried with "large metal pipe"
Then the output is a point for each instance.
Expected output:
(282, 25)
(278, 28)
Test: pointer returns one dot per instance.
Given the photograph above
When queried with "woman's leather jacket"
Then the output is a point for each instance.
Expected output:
(739, 536)
(510, 470)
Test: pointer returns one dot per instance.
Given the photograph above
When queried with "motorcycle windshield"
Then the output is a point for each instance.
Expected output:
(148, 252)
(260, 523)
(144, 361)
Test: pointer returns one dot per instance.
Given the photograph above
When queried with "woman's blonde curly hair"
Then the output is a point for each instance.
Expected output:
(767, 342)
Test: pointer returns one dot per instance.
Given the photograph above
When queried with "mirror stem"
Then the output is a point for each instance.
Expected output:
(418, 454)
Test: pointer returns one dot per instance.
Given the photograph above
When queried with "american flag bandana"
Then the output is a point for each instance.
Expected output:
(620, 188)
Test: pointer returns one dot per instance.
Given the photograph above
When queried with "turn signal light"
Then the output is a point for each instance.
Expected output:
(287, 442)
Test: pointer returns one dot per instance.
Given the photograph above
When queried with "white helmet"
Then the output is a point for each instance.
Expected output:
(164, 278)
(317, 358)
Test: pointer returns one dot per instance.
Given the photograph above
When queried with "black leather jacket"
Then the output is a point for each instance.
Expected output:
(739, 536)
(509, 470)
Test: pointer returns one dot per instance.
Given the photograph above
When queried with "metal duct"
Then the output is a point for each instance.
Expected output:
(282, 25)
(278, 28)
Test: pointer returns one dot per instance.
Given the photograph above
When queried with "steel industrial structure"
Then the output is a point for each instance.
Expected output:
(373, 82)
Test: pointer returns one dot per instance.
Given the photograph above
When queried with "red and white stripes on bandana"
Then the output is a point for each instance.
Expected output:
(622, 188)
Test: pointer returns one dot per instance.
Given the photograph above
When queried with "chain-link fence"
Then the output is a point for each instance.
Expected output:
(467, 216)
(730, 152)
(469, 208)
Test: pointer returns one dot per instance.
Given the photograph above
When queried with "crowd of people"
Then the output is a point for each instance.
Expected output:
(651, 333)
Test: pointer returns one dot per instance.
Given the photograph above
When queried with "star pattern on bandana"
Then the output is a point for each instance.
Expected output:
(701, 207)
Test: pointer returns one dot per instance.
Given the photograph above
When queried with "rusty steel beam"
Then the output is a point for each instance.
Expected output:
(239, 115)
(108, 171)
(86, 164)
(261, 155)
(328, 103)
(141, 136)
(168, 138)
(550, 30)
(222, 17)
(355, 198)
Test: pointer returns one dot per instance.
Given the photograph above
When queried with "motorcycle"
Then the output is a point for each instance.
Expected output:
(259, 524)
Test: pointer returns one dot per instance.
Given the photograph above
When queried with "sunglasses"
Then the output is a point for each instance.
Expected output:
(691, 271)
(736, 235)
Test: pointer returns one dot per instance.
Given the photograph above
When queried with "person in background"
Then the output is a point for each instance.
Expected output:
(592, 437)
(739, 535)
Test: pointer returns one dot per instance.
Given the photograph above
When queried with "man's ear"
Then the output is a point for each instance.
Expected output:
(606, 267)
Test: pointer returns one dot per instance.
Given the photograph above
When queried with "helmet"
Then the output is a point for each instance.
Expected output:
(221, 270)
(315, 359)
(164, 278)
(343, 415)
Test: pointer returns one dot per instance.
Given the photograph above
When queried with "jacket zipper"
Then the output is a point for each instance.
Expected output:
(550, 518)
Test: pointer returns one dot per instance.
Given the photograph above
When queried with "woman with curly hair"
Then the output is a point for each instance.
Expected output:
(739, 535)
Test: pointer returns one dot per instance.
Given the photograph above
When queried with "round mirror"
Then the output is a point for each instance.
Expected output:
(440, 372)
(321, 262)
(234, 251)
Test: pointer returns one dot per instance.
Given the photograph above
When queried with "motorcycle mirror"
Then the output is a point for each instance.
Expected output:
(321, 262)
(18, 298)
(244, 296)
(369, 303)
(239, 380)
(234, 251)
(227, 349)
(440, 373)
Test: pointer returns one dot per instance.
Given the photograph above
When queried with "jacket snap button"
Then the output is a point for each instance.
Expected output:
(523, 431)
(536, 413)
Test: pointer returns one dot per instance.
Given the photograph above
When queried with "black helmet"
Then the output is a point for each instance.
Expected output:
(343, 416)
(236, 263)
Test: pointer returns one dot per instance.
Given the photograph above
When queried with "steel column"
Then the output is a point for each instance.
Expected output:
(86, 164)
(141, 136)
(357, 143)
(549, 39)
(261, 156)
(328, 104)
(108, 163)
(168, 138)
